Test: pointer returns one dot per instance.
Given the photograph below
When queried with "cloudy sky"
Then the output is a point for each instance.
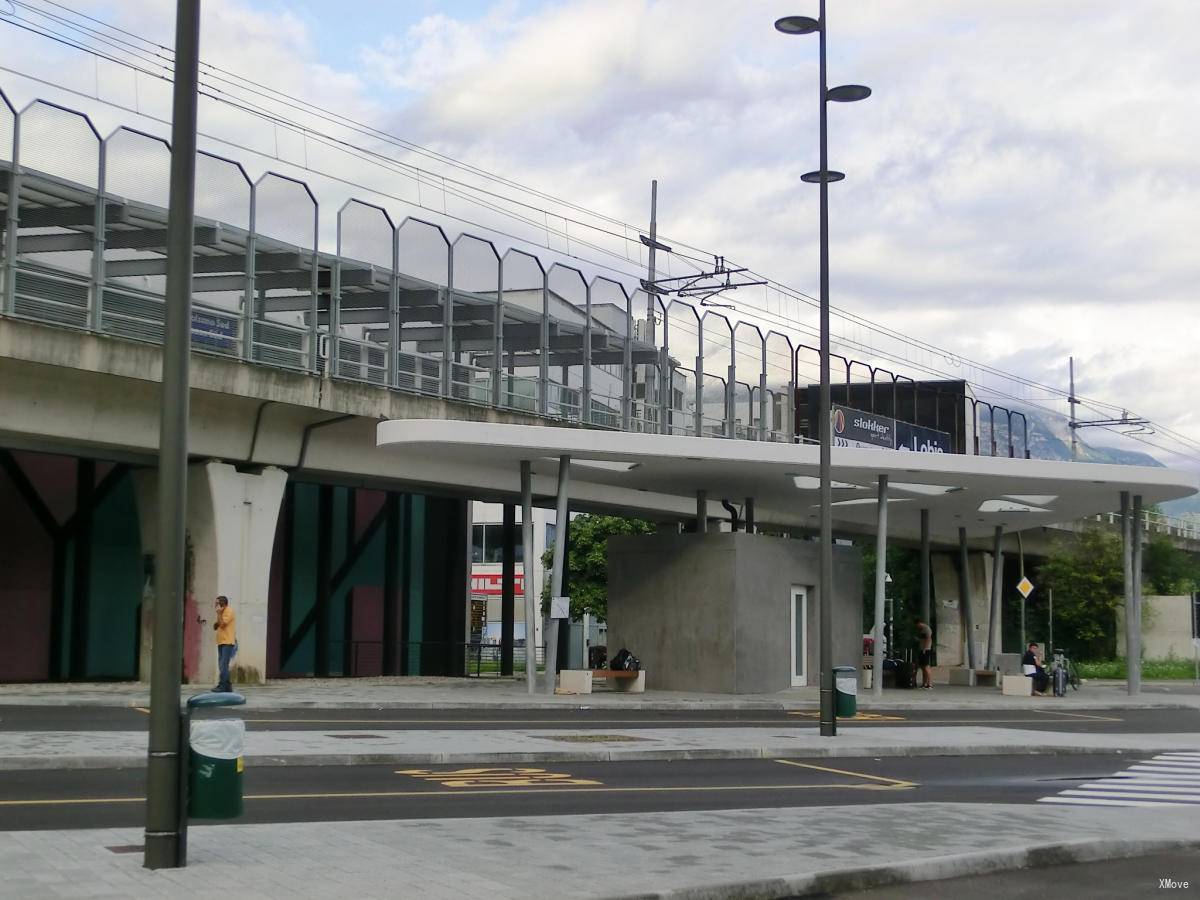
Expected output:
(1023, 185)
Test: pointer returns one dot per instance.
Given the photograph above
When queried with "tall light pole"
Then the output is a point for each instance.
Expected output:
(843, 94)
(166, 823)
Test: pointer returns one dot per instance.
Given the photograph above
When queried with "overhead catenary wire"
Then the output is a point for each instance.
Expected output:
(156, 61)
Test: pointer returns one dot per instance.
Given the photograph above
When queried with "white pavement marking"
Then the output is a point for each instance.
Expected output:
(1169, 779)
(1182, 792)
(1099, 801)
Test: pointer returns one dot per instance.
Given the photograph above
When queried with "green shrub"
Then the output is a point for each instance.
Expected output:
(1152, 669)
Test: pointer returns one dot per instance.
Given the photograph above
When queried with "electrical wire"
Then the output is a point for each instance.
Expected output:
(161, 59)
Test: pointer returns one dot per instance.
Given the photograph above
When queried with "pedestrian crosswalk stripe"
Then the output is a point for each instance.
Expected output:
(1101, 801)
(1167, 779)
(1150, 788)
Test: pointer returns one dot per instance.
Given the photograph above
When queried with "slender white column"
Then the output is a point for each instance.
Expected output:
(880, 584)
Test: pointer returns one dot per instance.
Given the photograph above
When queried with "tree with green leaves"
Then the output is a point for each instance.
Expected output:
(904, 565)
(1087, 574)
(587, 561)
(1169, 570)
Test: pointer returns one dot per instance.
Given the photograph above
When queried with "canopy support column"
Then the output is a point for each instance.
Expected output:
(560, 559)
(994, 644)
(925, 581)
(1132, 680)
(1135, 654)
(880, 585)
(701, 512)
(964, 597)
(528, 556)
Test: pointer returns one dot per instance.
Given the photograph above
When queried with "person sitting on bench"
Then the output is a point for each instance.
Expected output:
(1031, 665)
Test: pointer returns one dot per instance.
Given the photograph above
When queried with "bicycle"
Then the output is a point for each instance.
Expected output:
(1062, 661)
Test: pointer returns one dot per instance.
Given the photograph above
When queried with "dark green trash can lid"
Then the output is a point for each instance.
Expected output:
(216, 698)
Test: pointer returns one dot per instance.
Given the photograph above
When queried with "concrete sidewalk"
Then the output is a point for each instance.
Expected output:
(488, 693)
(715, 854)
(23, 750)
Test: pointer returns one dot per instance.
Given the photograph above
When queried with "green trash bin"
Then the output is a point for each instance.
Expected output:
(215, 759)
(845, 691)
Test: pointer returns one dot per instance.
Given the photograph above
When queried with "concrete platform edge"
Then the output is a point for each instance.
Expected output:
(26, 763)
(936, 868)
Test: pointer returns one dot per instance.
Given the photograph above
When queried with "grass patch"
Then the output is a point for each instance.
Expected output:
(1152, 669)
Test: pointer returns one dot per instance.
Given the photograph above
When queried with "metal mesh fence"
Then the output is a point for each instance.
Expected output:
(8, 127)
(138, 167)
(60, 142)
(222, 191)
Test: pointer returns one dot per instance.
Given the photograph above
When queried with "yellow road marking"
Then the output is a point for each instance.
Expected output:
(699, 789)
(1059, 712)
(69, 801)
(894, 782)
(920, 722)
(858, 717)
(495, 777)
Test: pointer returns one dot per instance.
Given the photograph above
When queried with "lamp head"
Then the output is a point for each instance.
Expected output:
(797, 25)
(848, 93)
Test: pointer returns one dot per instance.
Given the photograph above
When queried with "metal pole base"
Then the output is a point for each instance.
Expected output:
(828, 714)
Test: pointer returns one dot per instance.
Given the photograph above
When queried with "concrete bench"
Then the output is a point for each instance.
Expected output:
(974, 677)
(1016, 686)
(987, 678)
(580, 681)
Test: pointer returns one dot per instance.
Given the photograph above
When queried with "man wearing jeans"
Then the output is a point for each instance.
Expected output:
(226, 642)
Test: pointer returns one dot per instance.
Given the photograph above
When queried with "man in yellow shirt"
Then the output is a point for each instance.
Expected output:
(226, 642)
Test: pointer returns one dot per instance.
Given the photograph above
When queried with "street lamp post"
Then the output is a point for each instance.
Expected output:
(843, 94)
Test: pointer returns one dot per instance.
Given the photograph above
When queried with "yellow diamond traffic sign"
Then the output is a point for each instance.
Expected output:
(1025, 586)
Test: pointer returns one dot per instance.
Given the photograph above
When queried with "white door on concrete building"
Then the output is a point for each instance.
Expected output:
(799, 637)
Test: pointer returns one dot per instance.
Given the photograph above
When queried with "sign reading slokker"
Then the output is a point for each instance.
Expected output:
(853, 428)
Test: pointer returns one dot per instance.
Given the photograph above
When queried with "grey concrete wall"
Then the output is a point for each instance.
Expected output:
(951, 624)
(1166, 627)
(713, 612)
(670, 604)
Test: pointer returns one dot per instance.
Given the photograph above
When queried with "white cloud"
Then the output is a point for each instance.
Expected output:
(1021, 186)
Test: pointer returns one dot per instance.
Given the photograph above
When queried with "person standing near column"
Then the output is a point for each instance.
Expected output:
(226, 630)
(925, 656)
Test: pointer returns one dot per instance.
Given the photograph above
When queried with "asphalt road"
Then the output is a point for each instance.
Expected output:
(114, 797)
(1118, 879)
(1051, 716)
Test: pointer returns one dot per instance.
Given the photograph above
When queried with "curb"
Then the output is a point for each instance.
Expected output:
(984, 862)
(45, 763)
(269, 704)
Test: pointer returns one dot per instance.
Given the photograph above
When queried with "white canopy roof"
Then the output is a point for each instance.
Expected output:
(658, 476)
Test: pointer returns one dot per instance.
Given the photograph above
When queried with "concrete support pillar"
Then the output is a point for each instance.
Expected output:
(749, 508)
(880, 585)
(508, 588)
(925, 566)
(231, 522)
(994, 634)
(964, 593)
(1134, 647)
(560, 562)
(530, 561)
(701, 512)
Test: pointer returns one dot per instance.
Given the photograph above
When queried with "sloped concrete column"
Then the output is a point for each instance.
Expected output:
(231, 522)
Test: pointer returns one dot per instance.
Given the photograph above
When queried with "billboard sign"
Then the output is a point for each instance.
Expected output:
(921, 440)
(854, 428)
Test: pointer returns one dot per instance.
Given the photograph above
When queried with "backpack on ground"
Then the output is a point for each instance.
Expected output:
(624, 661)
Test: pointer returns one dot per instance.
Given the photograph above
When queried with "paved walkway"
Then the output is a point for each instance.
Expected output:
(743, 853)
(108, 749)
(449, 693)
